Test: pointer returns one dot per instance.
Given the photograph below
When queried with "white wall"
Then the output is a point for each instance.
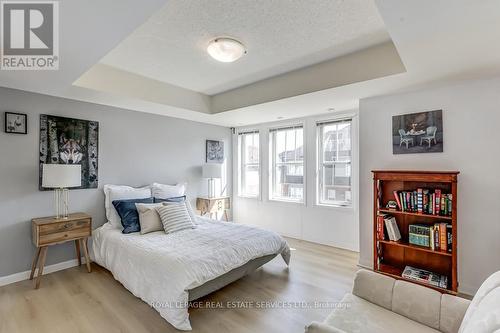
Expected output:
(471, 121)
(134, 149)
(335, 226)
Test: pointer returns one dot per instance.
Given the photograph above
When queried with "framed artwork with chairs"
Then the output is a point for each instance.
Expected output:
(416, 133)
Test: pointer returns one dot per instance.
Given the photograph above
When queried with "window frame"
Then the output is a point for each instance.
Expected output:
(241, 167)
(272, 164)
(320, 164)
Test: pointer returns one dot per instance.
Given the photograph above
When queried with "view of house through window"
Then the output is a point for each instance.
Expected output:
(248, 157)
(335, 163)
(287, 164)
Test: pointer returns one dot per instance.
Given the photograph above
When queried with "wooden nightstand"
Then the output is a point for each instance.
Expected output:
(50, 231)
(213, 205)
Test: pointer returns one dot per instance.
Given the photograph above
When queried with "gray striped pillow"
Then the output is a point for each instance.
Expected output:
(175, 217)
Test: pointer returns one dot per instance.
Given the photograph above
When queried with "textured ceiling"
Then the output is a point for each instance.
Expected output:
(280, 35)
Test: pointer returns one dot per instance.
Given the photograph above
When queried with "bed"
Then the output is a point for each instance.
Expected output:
(169, 270)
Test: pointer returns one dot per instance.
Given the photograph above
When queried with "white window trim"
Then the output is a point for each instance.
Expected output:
(354, 162)
(270, 162)
(239, 164)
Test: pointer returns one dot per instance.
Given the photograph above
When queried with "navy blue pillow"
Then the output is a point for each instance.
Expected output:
(174, 199)
(128, 213)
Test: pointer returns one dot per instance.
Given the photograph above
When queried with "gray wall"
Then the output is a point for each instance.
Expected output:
(134, 149)
(471, 121)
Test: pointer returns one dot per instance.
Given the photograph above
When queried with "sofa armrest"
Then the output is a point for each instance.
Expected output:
(316, 327)
(374, 287)
(452, 313)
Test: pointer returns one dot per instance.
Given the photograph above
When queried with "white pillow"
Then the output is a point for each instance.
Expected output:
(118, 192)
(149, 218)
(175, 217)
(163, 191)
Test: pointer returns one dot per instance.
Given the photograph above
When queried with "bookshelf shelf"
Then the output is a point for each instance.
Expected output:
(415, 247)
(396, 272)
(398, 212)
(391, 257)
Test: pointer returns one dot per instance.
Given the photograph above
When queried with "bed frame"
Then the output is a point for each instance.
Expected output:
(231, 276)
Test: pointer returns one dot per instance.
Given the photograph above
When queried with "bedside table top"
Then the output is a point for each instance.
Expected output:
(52, 219)
(216, 198)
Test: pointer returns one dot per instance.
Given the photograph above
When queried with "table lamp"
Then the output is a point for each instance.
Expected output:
(60, 177)
(212, 171)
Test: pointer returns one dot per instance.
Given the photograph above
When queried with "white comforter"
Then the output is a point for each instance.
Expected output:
(161, 268)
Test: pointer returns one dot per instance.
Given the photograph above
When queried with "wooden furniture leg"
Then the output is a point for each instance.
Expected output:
(41, 263)
(35, 262)
(86, 253)
(78, 254)
(225, 215)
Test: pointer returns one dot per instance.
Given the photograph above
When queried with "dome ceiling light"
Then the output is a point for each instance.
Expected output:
(225, 49)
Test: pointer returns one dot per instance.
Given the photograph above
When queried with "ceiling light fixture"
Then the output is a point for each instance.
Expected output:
(226, 49)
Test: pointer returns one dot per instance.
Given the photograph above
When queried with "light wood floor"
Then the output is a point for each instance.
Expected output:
(75, 301)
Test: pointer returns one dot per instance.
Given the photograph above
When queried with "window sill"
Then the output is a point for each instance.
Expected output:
(242, 196)
(334, 206)
(294, 202)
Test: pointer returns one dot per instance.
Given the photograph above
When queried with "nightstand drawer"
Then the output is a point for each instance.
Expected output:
(63, 227)
(63, 236)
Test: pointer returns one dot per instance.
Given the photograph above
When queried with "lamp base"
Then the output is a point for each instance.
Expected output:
(211, 188)
(61, 202)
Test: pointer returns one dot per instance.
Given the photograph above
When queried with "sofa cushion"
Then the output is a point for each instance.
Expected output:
(417, 302)
(483, 314)
(375, 288)
(359, 315)
(452, 313)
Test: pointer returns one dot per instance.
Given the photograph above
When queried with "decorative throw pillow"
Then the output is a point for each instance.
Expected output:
(128, 213)
(191, 212)
(175, 217)
(149, 219)
(167, 191)
(118, 192)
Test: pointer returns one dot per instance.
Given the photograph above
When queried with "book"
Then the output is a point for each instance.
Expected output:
(380, 227)
(420, 200)
(449, 237)
(443, 238)
(432, 242)
(427, 277)
(396, 196)
(419, 234)
(437, 202)
(450, 206)
(436, 237)
(392, 228)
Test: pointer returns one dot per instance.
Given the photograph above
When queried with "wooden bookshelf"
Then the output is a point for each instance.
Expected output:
(390, 257)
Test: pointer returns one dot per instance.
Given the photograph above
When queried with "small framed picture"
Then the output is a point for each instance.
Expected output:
(215, 151)
(16, 123)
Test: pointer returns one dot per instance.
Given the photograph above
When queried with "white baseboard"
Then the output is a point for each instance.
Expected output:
(365, 264)
(21, 276)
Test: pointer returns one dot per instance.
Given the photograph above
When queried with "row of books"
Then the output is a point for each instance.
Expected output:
(436, 237)
(423, 276)
(424, 201)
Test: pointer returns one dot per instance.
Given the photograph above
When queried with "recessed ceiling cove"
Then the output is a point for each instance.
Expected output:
(280, 36)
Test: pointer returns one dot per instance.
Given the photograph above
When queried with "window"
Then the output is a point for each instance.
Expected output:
(249, 167)
(287, 164)
(335, 163)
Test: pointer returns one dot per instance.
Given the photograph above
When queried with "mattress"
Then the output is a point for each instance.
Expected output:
(168, 270)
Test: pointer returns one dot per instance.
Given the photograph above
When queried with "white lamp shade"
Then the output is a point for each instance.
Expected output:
(212, 170)
(61, 175)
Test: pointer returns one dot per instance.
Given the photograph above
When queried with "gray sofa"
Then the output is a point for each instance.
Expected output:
(379, 303)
